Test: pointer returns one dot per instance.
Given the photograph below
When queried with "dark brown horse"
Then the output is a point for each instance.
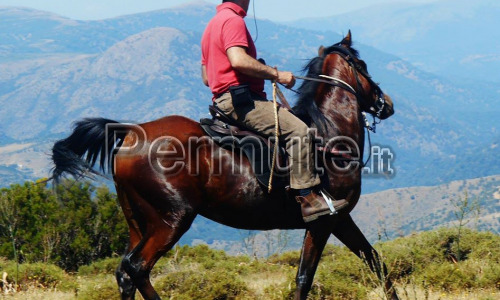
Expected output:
(163, 182)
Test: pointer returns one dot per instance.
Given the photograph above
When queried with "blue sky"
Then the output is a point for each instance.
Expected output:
(276, 10)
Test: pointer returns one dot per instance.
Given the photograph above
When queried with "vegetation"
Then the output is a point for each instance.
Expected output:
(420, 265)
(65, 242)
(71, 225)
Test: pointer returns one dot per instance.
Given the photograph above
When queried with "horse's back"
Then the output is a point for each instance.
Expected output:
(176, 126)
(145, 144)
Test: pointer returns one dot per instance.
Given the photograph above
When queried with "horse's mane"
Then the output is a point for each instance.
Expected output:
(306, 108)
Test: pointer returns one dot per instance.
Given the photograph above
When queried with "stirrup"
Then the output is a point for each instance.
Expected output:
(329, 202)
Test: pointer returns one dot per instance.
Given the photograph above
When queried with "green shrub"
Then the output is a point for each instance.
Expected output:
(416, 253)
(71, 225)
(291, 258)
(38, 275)
(482, 245)
(338, 289)
(424, 260)
(204, 256)
(104, 266)
(201, 284)
(102, 287)
(340, 275)
(447, 276)
(490, 276)
(200, 254)
(470, 274)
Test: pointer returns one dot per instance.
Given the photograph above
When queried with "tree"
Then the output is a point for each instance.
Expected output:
(8, 223)
(70, 225)
(110, 228)
(464, 211)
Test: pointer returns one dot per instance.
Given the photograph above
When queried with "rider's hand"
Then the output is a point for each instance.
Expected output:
(286, 78)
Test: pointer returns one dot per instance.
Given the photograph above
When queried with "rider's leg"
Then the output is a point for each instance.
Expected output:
(260, 116)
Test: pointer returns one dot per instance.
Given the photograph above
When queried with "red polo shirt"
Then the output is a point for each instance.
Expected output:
(227, 29)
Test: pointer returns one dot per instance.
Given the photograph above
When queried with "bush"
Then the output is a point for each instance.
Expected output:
(38, 275)
(336, 288)
(206, 284)
(291, 258)
(448, 277)
(340, 275)
(204, 256)
(71, 225)
(424, 260)
(104, 266)
(101, 287)
(200, 254)
(464, 275)
(431, 257)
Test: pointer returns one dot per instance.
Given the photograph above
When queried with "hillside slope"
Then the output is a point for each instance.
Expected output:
(380, 216)
(141, 67)
(453, 38)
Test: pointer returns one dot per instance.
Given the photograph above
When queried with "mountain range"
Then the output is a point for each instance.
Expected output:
(451, 38)
(139, 67)
(54, 70)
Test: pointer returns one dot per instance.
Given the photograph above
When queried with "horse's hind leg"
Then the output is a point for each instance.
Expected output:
(125, 284)
(349, 234)
(314, 242)
(159, 234)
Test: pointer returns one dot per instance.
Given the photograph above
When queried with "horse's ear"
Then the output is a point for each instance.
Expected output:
(347, 41)
(321, 51)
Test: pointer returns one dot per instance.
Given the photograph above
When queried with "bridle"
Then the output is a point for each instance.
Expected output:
(378, 106)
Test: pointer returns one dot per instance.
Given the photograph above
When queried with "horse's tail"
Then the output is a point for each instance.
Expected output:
(78, 153)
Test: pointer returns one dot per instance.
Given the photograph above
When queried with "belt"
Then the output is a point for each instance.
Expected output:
(217, 96)
(254, 95)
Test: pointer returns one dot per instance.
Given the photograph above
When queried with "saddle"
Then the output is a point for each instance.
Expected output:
(233, 136)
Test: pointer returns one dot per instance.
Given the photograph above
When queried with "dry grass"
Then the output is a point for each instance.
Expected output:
(39, 294)
(258, 283)
(418, 293)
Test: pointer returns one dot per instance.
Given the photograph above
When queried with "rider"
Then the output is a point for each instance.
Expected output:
(236, 79)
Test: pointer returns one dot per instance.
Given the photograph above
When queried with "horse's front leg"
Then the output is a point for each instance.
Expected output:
(314, 242)
(349, 234)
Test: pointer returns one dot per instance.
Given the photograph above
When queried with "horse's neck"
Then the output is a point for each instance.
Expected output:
(342, 110)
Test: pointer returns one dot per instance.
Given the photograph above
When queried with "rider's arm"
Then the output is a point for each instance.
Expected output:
(204, 75)
(247, 65)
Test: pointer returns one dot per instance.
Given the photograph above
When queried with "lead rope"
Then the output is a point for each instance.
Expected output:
(276, 136)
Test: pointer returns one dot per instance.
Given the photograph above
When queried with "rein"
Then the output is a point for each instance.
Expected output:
(276, 131)
(331, 81)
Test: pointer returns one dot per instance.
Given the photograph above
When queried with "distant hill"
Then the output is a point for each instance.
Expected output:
(54, 70)
(399, 212)
(452, 38)
(380, 216)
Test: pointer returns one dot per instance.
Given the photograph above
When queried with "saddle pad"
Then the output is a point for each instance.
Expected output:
(256, 151)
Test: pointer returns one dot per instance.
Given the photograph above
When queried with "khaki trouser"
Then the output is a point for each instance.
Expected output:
(294, 132)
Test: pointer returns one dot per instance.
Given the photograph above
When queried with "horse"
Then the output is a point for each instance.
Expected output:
(161, 190)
